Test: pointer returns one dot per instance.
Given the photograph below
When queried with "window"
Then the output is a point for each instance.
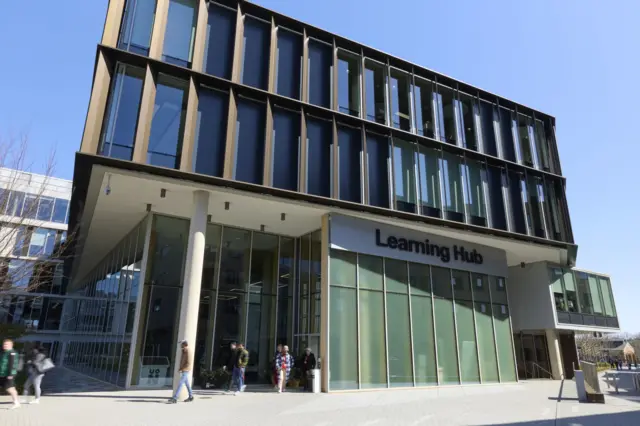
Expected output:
(42, 242)
(350, 161)
(378, 162)
(506, 136)
(596, 296)
(375, 91)
(430, 196)
(445, 326)
(527, 141)
(167, 124)
(400, 100)
(607, 296)
(320, 68)
(211, 136)
(542, 144)
(45, 208)
(255, 65)
(137, 25)
(319, 156)
(404, 159)
(485, 330)
(497, 184)
(286, 146)
(180, 32)
(250, 128)
(424, 351)
(570, 291)
(535, 205)
(373, 360)
(586, 303)
(348, 83)
(289, 63)
(450, 170)
(554, 205)
(467, 110)
(60, 207)
(446, 116)
(558, 289)
(398, 325)
(30, 208)
(424, 97)
(221, 31)
(488, 119)
(517, 219)
(465, 327)
(23, 238)
(475, 177)
(121, 116)
(15, 203)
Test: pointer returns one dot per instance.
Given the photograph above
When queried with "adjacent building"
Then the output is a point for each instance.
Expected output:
(243, 176)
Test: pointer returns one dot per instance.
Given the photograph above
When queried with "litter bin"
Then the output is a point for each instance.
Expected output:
(315, 380)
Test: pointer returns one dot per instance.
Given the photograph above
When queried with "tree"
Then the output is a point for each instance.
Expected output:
(590, 347)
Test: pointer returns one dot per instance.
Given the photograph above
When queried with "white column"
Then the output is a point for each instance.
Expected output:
(188, 317)
(555, 357)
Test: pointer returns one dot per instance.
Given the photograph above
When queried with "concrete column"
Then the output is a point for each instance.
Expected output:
(188, 318)
(324, 304)
(555, 357)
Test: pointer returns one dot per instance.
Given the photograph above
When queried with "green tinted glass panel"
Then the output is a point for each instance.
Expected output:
(486, 343)
(424, 349)
(441, 280)
(595, 295)
(461, 285)
(467, 350)
(498, 290)
(419, 279)
(373, 364)
(504, 342)
(400, 371)
(480, 285)
(607, 296)
(556, 280)
(397, 275)
(343, 268)
(343, 365)
(370, 272)
(446, 338)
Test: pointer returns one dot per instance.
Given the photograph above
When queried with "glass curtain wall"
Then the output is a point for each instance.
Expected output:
(180, 32)
(580, 292)
(137, 24)
(221, 32)
(400, 97)
(375, 77)
(404, 173)
(349, 83)
(415, 325)
(306, 318)
(424, 97)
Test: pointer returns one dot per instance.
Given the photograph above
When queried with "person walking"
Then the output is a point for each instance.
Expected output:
(35, 371)
(284, 363)
(308, 364)
(274, 376)
(230, 364)
(239, 368)
(8, 370)
(185, 370)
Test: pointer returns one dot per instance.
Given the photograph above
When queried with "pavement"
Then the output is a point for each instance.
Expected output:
(528, 403)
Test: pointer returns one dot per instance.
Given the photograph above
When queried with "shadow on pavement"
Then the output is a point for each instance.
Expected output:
(629, 418)
(104, 396)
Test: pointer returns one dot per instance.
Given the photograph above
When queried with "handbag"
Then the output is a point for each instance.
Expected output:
(45, 365)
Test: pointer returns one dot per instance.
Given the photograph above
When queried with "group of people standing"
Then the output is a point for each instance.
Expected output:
(283, 362)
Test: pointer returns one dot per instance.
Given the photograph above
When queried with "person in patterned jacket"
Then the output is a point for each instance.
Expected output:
(284, 363)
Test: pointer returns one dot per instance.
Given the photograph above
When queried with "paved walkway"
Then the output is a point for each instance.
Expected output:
(539, 403)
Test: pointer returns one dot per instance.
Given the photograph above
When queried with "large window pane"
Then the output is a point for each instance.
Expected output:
(343, 359)
(319, 144)
(250, 130)
(596, 298)
(430, 195)
(234, 263)
(446, 116)
(348, 83)
(373, 358)
(15, 203)
(370, 272)
(400, 100)
(535, 206)
(404, 167)
(343, 268)
(488, 120)
(45, 208)
(506, 135)
(424, 96)
(378, 169)
(445, 329)
(496, 183)
(504, 342)
(467, 115)
(400, 369)
(167, 124)
(484, 327)
(255, 65)
(558, 289)
(607, 296)
(554, 192)
(288, 80)
(467, 349)
(516, 207)
(542, 143)
(212, 132)
(221, 31)
(137, 24)
(286, 146)
(397, 275)
(450, 170)
(424, 353)
(180, 32)
(320, 66)
(475, 176)
(570, 291)
(121, 116)
(350, 149)
(375, 91)
(527, 144)
(286, 286)
(60, 210)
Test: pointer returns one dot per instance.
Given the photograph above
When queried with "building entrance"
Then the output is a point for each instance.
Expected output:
(532, 355)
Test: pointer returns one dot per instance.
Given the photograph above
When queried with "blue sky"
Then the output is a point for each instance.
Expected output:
(575, 59)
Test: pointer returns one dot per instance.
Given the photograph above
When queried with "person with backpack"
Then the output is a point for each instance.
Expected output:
(9, 361)
(36, 368)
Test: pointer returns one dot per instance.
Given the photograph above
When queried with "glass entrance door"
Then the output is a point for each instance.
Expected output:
(532, 356)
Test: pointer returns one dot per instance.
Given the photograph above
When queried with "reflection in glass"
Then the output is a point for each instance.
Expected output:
(370, 272)
(423, 92)
(234, 265)
(404, 168)
(180, 32)
(255, 64)
(378, 163)
(554, 192)
(527, 141)
(430, 195)
(570, 291)
(475, 176)
(350, 162)
(348, 83)
(375, 89)
(534, 206)
(319, 146)
(286, 145)
(542, 143)
(137, 24)
(320, 66)
(221, 31)
(484, 328)
(504, 342)
(399, 346)
(285, 291)
(496, 184)
(400, 100)
(558, 290)
(467, 349)
(517, 219)
(450, 169)
(607, 296)
(250, 130)
(445, 328)
(373, 358)
(446, 116)
(343, 268)
(506, 135)
(289, 57)
(343, 371)
(488, 126)
(60, 210)
(211, 136)
(467, 113)
(45, 208)
(595, 296)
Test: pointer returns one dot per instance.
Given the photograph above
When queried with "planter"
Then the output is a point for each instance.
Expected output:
(582, 391)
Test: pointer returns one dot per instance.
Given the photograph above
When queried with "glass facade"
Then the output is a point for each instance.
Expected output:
(137, 24)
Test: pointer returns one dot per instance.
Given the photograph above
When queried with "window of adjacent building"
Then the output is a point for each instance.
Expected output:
(45, 208)
(286, 146)
(475, 178)
(221, 31)
(506, 142)
(450, 170)
(30, 207)
(607, 297)
(137, 25)
(375, 76)
(535, 206)
(516, 206)
(15, 203)
(558, 290)
(180, 32)
(320, 69)
(210, 141)
(445, 326)
(404, 178)
(424, 99)
(447, 131)
(350, 159)
(250, 128)
(467, 111)
(429, 178)
(255, 65)
(289, 63)
(496, 185)
(60, 208)
(319, 156)
(378, 163)
(488, 125)
(596, 296)
(465, 326)
(23, 237)
(121, 117)
(400, 89)
(167, 124)
(586, 303)
(42, 242)
(348, 83)
(542, 145)
(570, 291)
(527, 141)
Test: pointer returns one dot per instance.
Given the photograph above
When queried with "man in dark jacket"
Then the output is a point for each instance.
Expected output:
(308, 364)
(8, 371)
(238, 369)
(232, 360)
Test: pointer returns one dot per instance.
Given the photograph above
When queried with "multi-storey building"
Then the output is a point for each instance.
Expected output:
(245, 176)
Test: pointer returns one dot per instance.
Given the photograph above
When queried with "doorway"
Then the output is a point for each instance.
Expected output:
(569, 353)
(532, 355)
